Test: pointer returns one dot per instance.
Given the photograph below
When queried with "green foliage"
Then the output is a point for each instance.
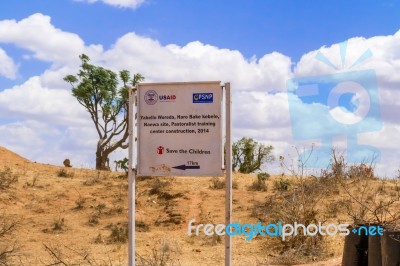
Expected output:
(263, 176)
(282, 184)
(248, 155)
(122, 164)
(96, 89)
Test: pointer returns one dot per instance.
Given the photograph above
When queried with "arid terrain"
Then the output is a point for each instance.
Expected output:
(74, 216)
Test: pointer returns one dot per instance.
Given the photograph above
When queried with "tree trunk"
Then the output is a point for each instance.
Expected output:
(101, 159)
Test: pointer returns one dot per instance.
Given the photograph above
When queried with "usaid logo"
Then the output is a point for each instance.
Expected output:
(167, 98)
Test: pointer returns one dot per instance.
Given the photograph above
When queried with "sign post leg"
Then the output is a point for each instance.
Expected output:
(131, 180)
(228, 176)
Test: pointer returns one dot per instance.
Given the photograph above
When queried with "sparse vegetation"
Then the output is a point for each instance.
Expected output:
(259, 184)
(58, 224)
(122, 164)
(248, 155)
(119, 233)
(163, 255)
(141, 226)
(80, 203)
(64, 173)
(282, 184)
(158, 186)
(89, 215)
(32, 183)
(93, 179)
(8, 245)
(217, 183)
(7, 178)
(69, 256)
(94, 219)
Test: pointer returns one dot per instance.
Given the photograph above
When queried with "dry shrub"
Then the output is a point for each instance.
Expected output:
(368, 199)
(165, 254)
(64, 255)
(119, 233)
(301, 205)
(7, 178)
(141, 226)
(259, 184)
(158, 186)
(93, 180)
(8, 245)
(64, 173)
(217, 183)
(299, 199)
(282, 184)
(366, 202)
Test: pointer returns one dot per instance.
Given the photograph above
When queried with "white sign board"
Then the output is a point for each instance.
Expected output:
(179, 129)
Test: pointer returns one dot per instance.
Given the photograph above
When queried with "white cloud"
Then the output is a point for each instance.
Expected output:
(198, 61)
(48, 43)
(8, 68)
(32, 99)
(257, 110)
(44, 142)
(118, 3)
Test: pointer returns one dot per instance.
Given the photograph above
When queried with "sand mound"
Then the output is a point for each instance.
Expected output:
(9, 158)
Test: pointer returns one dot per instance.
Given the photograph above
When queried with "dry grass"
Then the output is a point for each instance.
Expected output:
(83, 220)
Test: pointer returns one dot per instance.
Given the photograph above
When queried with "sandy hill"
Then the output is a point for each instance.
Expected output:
(71, 216)
(10, 158)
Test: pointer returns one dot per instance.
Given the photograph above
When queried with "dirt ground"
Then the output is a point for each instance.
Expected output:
(80, 217)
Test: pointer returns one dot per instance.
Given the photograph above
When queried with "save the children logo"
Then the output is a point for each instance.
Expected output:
(160, 150)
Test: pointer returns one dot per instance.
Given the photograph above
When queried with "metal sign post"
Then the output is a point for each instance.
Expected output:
(228, 174)
(131, 180)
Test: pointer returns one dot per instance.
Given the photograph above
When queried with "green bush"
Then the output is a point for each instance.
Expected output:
(283, 184)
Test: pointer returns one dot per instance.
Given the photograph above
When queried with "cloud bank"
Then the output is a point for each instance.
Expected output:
(43, 103)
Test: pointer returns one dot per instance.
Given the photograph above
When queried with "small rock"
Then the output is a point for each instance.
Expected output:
(67, 163)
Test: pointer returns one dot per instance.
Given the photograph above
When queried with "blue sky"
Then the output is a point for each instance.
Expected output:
(257, 45)
(252, 27)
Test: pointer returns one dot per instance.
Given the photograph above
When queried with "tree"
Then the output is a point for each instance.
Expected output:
(96, 89)
(248, 155)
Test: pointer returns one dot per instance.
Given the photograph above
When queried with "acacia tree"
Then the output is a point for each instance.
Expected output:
(248, 155)
(96, 89)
